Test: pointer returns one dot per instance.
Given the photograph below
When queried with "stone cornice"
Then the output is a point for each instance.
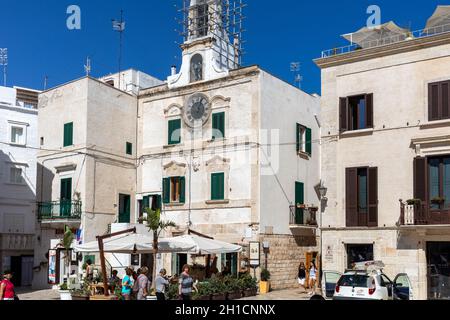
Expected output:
(382, 51)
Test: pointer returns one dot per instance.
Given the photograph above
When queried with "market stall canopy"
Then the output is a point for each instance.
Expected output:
(439, 22)
(201, 245)
(135, 243)
(386, 33)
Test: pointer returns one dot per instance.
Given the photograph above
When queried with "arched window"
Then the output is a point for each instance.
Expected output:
(197, 68)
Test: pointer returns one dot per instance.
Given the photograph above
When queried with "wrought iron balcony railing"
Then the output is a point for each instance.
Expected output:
(303, 216)
(68, 210)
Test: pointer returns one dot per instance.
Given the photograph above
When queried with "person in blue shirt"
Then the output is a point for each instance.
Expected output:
(127, 284)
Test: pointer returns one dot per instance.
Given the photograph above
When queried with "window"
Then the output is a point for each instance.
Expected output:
(174, 131)
(68, 134)
(439, 182)
(362, 197)
(110, 82)
(218, 186)
(438, 101)
(153, 202)
(42, 141)
(196, 73)
(218, 125)
(359, 253)
(174, 190)
(356, 112)
(16, 176)
(202, 19)
(304, 139)
(18, 135)
(129, 148)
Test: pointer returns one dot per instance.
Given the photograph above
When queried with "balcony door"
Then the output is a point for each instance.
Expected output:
(124, 208)
(299, 199)
(66, 197)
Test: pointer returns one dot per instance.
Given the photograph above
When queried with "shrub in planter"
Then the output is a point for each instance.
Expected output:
(203, 293)
(413, 202)
(172, 292)
(438, 200)
(233, 288)
(264, 285)
(249, 285)
(83, 293)
(218, 289)
(64, 292)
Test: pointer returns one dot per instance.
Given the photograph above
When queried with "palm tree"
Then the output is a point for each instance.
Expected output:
(156, 225)
(67, 244)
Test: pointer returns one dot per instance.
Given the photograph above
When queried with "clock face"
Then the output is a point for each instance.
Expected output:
(197, 110)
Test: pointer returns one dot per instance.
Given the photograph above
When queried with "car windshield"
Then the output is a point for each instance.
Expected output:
(354, 280)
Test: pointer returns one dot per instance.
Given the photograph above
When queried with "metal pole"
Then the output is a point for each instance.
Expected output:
(120, 45)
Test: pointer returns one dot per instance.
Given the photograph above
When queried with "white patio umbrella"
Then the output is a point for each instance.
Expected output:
(201, 245)
(135, 243)
(373, 36)
(439, 21)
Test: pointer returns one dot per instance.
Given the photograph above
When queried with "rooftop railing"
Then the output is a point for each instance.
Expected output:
(410, 35)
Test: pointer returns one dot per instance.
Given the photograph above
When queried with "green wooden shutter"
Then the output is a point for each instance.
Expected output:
(298, 137)
(129, 148)
(158, 201)
(217, 186)
(299, 199)
(174, 131)
(68, 134)
(218, 125)
(308, 141)
(166, 190)
(182, 189)
(145, 203)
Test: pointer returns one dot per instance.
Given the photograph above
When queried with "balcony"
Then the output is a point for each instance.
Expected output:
(59, 211)
(423, 214)
(301, 216)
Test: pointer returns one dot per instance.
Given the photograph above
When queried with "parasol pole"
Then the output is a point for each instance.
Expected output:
(102, 255)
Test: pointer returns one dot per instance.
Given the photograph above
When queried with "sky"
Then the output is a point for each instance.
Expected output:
(277, 33)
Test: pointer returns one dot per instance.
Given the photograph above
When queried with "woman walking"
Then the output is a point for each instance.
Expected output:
(142, 284)
(161, 283)
(186, 283)
(127, 284)
(312, 277)
(7, 287)
(302, 276)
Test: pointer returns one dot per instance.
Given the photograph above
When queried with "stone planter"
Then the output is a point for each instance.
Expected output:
(218, 297)
(249, 292)
(234, 295)
(65, 295)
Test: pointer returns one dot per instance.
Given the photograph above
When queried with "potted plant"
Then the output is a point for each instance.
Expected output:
(203, 292)
(233, 288)
(249, 285)
(414, 202)
(218, 289)
(438, 200)
(64, 292)
(172, 292)
(264, 284)
(83, 293)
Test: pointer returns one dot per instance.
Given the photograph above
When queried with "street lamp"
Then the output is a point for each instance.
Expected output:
(323, 191)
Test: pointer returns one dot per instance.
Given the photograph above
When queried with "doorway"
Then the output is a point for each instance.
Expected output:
(438, 270)
(66, 197)
(359, 253)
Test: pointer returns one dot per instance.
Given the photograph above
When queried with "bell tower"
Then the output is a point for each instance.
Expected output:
(212, 45)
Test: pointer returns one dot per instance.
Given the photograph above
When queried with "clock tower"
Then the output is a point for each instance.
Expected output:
(209, 50)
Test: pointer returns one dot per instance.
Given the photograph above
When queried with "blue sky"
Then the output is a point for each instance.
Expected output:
(278, 32)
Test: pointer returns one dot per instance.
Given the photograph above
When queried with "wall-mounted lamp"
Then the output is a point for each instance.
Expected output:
(323, 191)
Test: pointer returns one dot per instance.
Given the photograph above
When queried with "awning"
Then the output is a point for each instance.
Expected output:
(201, 245)
(135, 244)
(380, 35)
(439, 22)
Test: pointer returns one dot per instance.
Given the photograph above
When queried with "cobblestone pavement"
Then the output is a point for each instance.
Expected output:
(28, 294)
(294, 294)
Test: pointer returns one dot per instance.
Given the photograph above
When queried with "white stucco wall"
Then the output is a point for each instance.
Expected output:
(282, 107)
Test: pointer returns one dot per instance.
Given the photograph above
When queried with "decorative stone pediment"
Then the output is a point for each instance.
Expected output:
(173, 110)
(217, 161)
(220, 102)
(175, 168)
(66, 167)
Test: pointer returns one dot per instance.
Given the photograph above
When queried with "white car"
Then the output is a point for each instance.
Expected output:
(366, 285)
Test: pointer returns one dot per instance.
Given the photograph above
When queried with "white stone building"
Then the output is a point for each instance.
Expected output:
(385, 137)
(18, 144)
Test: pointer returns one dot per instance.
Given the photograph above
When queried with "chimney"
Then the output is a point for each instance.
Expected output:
(173, 70)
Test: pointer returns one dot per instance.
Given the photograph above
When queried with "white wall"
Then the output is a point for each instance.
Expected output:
(282, 107)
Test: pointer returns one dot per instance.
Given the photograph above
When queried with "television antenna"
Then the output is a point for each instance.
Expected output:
(295, 68)
(87, 66)
(119, 26)
(4, 62)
